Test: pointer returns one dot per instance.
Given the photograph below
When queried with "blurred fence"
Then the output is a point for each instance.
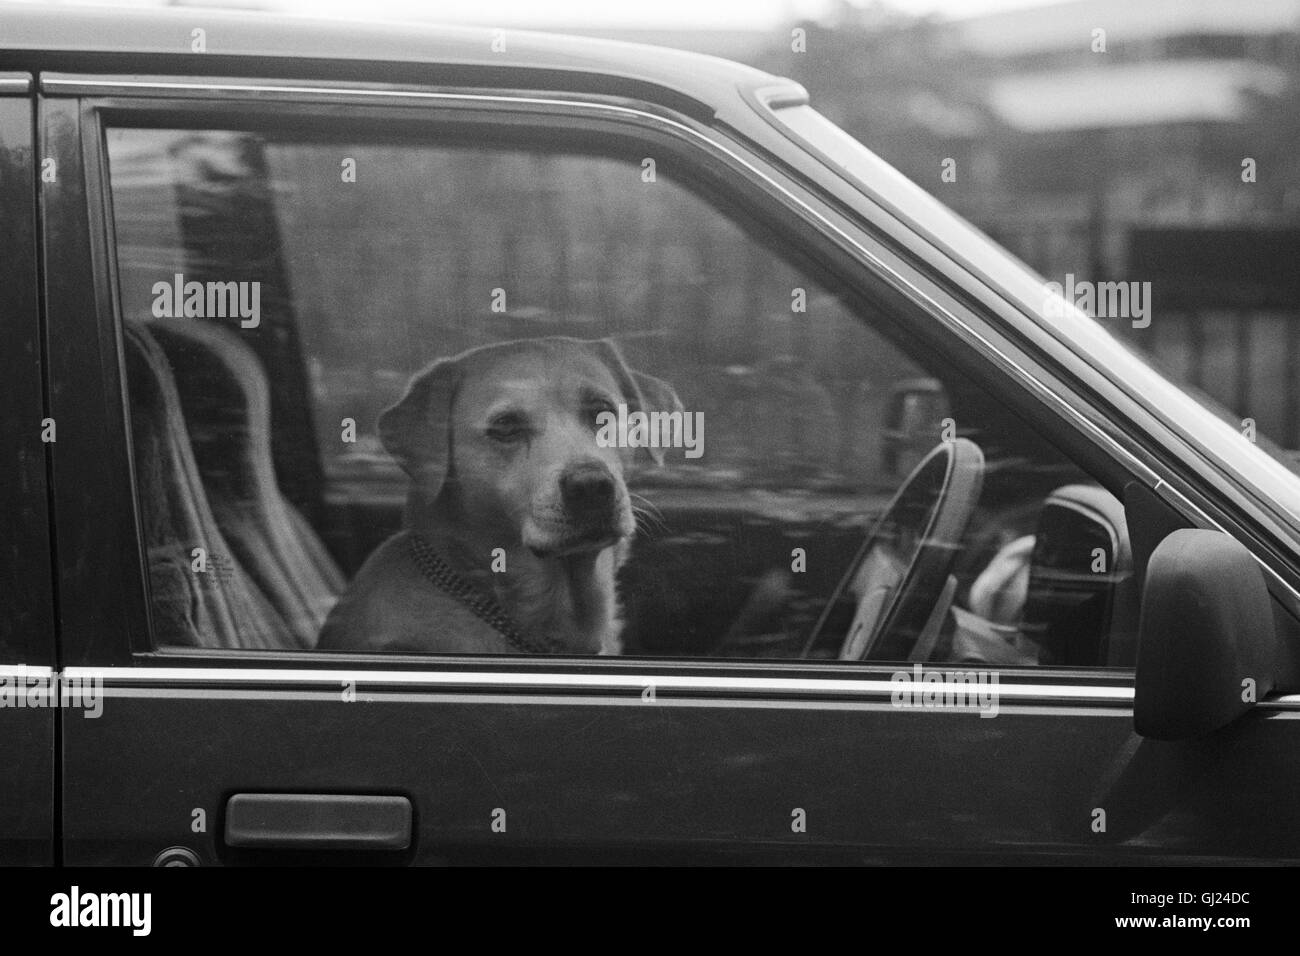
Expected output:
(1225, 302)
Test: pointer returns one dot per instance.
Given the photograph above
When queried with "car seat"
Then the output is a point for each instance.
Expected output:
(197, 600)
(226, 405)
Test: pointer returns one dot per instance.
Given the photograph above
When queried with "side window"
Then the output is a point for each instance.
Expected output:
(432, 394)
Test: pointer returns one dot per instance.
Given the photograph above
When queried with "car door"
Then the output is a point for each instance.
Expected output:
(28, 711)
(713, 738)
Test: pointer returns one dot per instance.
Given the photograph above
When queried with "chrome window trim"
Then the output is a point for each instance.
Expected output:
(622, 685)
(39, 671)
(110, 85)
(15, 83)
(781, 687)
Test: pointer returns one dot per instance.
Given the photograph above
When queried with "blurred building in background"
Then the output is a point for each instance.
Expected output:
(1162, 149)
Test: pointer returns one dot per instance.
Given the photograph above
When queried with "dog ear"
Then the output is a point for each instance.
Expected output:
(643, 393)
(417, 429)
(657, 395)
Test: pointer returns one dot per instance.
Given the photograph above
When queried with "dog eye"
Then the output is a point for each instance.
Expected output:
(507, 427)
(593, 410)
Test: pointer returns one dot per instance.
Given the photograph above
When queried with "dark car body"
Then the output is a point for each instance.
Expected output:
(643, 759)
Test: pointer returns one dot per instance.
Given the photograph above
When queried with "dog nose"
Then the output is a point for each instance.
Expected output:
(587, 487)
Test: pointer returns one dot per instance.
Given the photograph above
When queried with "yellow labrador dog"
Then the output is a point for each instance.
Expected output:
(517, 519)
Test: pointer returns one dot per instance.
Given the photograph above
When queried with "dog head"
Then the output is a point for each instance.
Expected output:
(503, 439)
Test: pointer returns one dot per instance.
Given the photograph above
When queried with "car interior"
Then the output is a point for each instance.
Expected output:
(979, 542)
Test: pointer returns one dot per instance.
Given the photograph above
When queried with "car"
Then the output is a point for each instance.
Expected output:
(956, 575)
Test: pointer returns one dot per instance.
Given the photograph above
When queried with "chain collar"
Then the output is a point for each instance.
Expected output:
(438, 572)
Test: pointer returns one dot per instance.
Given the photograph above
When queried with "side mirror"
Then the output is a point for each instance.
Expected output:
(1205, 639)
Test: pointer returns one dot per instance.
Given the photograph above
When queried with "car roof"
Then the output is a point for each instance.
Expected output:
(59, 36)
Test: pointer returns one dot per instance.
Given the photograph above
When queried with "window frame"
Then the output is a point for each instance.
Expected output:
(30, 768)
(27, 608)
(976, 347)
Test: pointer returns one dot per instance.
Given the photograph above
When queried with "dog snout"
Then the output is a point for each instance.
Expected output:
(587, 487)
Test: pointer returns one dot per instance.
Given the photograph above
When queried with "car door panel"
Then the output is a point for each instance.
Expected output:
(27, 717)
(516, 774)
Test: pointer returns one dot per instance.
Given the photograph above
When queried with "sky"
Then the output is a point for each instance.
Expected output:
(731, 14)
(629, 14)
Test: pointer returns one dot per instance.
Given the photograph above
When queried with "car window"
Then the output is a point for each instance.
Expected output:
(1256, 449)
(425, 393)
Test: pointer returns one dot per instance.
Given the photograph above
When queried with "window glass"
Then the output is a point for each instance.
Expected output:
(518, 395)
(1200, 401)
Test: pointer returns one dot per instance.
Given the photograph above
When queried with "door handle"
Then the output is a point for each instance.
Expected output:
(318, 821)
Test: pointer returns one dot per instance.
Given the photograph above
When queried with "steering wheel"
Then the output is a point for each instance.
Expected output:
(903, 567)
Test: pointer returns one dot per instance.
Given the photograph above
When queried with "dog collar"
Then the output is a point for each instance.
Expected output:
(441, 574)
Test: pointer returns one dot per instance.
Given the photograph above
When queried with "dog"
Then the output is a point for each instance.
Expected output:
(517, 519)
